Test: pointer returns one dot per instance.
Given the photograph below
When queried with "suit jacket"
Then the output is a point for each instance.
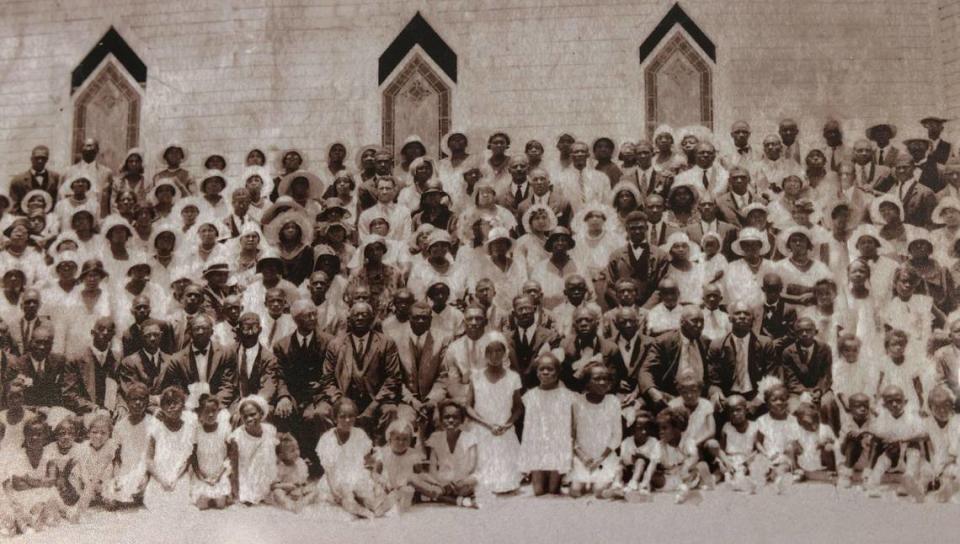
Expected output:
(839, 154)
(727, 232)
(301, 368)
(722, 361)
(46, 389)
(221, 371)
(556, 202)
(522, 354)
(372, 377)
(659, 368)
(17, 343)
(136, 368)
(507, 194)
(263, 379)
(800, 375)
(890, 155)
(948, 369)
(930, 175)
(729, 211)
(80, 382)
(424, 378)
(942, 152)
(132, 339)
(23, 183)
(646, 271)
(573, 378)
(918, 203)
(777, 320)
(639, 351)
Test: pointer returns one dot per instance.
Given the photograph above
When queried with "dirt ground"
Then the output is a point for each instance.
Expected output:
(804, 513)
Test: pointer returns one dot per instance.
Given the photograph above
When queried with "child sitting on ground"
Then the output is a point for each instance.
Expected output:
(943, 430)
(738, 444)
(125, 488)
(94, 460)
(702, 426)
(210, 481)
(857, 438)
(30, 481)
(678, 468)
(252, 451)
(453, 457)
(816, 442)
(901, 436)
(641, 452)
(401, 469)
(343, 452)
(291, 491)
(777, 433)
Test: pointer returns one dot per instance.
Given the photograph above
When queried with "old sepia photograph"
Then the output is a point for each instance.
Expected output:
(479, 271)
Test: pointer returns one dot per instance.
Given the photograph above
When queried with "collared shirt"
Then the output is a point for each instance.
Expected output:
(247, 357)
(154, 359)
(656, 232)
(304, 341)
(100, 356)
(526, 335)
(741, 374)
(360, 342)
(534, 199)
(906, 187)
(710, 226)
(38, 366)
(637, 251)
(418, 341)
(523, 189)
(201, 359)
(743, 200)
(626, 346)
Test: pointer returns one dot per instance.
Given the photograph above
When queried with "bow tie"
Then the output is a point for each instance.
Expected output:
(198, 353)
(743, 150)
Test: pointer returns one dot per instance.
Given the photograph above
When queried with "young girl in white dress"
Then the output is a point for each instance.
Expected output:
(910, 311)
(95, 462)
(546, 451)
(343, 453)
(170, 437)
(777, 432)
(29, 481)
(597, 432)
(210, 477)
(13, 420)
(130, 478)
(494, 404)
(453, 457)
(252, 451)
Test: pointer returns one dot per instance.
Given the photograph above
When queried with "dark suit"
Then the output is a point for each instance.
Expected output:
(556, 202)
(371, 377)
(47, 389)
(729, 210)
(647, 271)
(263, 378)
(508, 200)
(24, 182)
(812, 373)
(722, 362)
(918, 201)
(85, 381)
(777, 322)
(221, 369)
(132, 339)
(138, 368)
(522, 354)
(659, 368)
(639, 350)
(422, 368)
(19, 344)
(573, 351)
(940, 154)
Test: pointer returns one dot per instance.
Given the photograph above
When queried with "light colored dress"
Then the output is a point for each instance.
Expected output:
(132, 441)
(598, 428)
(12, 438)
(94, 467)
(211, 458)
(398, 469)
(809, 458)
(497, 456)
(452, 466)
(739, 445)
(173, 450)
(257, 462)
(777, 434)
(344, 464)
(21, 466)
(547, 430)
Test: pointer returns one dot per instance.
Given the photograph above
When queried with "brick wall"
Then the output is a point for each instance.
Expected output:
(225, 76)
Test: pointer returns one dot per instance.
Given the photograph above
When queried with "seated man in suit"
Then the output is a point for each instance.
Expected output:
(778, 317)
(463, 354)
(528, 338)
(807, 368)
(132, 339)
(711, 222)
(645, 264)
(632, 348)
(739, 360)
(257, 372)
(44, 369)
(363, 365)
(305, 411)
(90, 381)
(673, 352)
(203, 364)
(30, 317)
(584, 345)
(146, 365)
(421, 349)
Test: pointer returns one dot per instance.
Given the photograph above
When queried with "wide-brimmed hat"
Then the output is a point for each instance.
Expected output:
(65, 257)
(272, 231)
(164, 182)
(412, 139)
(268, 256)
(433, 186)
(90, 266)
(331, 205)
(871, 130)
(497, 233)
(283, 204)
(557, 233)
(881, 200)
(139, 261)
(216, 266)
(867, 230)
(934, 118)
(211, 175)
(750, 234)
(314, 182)
(916, 136)
(114, 221)
(945, 203)
(172, 145)
(47, 200)
(439, 236)
(783, 240)
(160, 229)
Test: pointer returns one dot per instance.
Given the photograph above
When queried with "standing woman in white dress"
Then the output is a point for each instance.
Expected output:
(494, 404)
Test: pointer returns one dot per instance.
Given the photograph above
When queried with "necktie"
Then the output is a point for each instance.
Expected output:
(642, 182)
(243, 362)
(743, 150)
(833, 159)
(518, 196)
(25, 332)
(40, 369)
(706, 180)
(273, 332)
(863, 174)
(880, 159)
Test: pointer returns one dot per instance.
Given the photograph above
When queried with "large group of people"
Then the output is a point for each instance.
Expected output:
(611, 319)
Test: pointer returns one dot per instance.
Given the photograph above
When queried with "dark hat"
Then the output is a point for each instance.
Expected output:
(934, 119)
(90, 266)
(331, 205)
(557, 233)
(22, 221)
(217, 267)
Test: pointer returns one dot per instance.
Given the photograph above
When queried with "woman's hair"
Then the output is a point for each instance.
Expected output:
(67, 424)
(37, 424)
(172, 393)
(100, 418)
(895, 335)
(137, 388)
(344, 401)
(399, 427)
(906, 272)
(772, 389)
(547, 357)
(860, 261)
(846, 339)
(675, 416)
(283, 440)
(347, 176)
